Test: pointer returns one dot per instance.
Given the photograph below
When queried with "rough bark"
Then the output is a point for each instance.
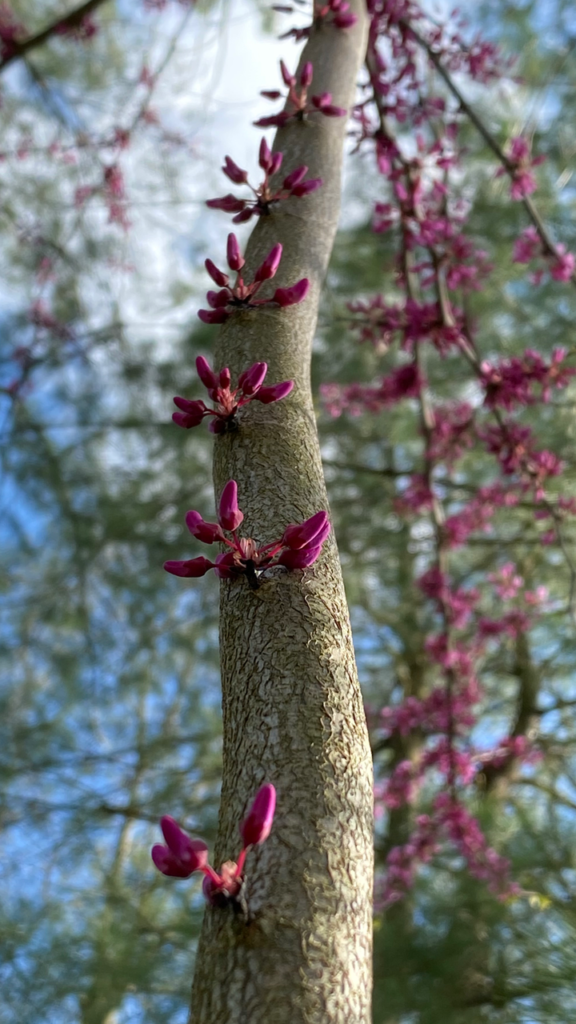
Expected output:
(292, 708)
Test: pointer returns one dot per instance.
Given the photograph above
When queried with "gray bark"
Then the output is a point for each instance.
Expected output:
(292, 707)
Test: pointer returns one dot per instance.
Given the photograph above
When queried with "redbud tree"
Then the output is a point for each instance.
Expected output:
(452, 421)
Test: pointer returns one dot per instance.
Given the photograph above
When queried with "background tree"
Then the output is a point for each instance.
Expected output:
(111, 698)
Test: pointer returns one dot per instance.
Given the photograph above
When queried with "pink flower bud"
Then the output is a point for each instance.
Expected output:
(225, 566)
(194, 407)
(299, 559)
(295, 177)
(270, 265)
(288, 79)
(181, 845)
(224, 378)
(274, 121)
(276, 163)
(264, 155)
(274, 392)
(208, 533)
(193, 568)
(313, 530)
(251, 379)
(218, 300)
(234, 256)
(213, 316)
(563, 267)
(229, 204)
(207, 376)
(329, 110)
(323, 104)
(519, 149)
(271, 94)
(217, 276)
(229, 514)
(290, 296)
(244, 215)
(345, 20)
(182, 419)
(235, 173)
(307, 187)
(181, 856)
(258, 822)
(306, 74)
(192, 412)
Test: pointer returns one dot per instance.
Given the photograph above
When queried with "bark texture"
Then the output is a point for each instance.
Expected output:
(292, 708)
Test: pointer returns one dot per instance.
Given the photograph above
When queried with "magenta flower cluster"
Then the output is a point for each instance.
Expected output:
(529, 247)
(519, 167)
(335, 12)
(298, 547)
(294, 185)
(182, 856)
(227, 400)
(297, 106)
(514, 381)
(242, 296)
(437, 264)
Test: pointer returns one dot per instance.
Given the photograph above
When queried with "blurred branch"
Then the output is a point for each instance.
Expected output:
(550, 791)
(489, 139)
(20, 49)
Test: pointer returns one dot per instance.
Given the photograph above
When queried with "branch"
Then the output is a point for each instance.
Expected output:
(489, 139)
(292, 707)
(21, 49)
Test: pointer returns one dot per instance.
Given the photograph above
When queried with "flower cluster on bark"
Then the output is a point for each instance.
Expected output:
(297, 106)
(294, 186)
(228, 400)
(335, 12)
(242, 296)
(297, 548)
(181, 856)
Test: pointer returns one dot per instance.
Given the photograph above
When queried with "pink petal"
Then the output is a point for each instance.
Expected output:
(274, 392)
(294, 294)
(229, 204)
(217, 276)
(264, 155)
(235, 173)
(315, 529)
(286, 76)
(295, 177)
(258, 822)
(268, 268)
(306, 74)
(229, 514)
(251, 379)
(208, 533)
(206, 374)
(234, 256)
(213, 316)
(300, 559)
(307, 187)
(192, 568)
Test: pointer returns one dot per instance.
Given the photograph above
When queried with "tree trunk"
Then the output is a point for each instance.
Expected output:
(292, 707)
